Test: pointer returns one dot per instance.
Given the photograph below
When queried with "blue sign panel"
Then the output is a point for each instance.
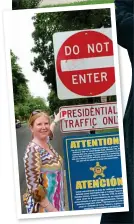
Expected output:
(93, 171)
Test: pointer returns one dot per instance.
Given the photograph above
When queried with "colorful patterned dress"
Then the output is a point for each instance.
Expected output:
(44, 178)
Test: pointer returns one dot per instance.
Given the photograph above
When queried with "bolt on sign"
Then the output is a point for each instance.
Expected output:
(103, 99)
(88, 117)
(84, 62)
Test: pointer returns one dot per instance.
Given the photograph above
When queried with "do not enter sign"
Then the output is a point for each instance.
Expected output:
(84, 64)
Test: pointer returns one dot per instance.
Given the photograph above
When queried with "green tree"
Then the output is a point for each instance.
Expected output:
(55, 103)
(24, 103)
(25, 4)
(35, 103)
(46, 24)
(23, 111)
(20, 87)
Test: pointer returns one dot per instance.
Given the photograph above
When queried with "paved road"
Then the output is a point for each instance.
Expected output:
(23, 137)
(55, 2)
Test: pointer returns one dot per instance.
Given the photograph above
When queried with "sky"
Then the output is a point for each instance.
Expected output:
(21, 44)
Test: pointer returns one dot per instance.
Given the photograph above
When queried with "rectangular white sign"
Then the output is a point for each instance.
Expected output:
(88, 117)
(85, 63)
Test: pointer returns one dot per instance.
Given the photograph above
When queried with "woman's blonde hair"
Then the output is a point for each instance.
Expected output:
(36, 114)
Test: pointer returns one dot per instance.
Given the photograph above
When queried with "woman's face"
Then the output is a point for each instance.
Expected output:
(41, 127)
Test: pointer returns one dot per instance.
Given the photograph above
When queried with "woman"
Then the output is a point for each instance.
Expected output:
(43, 168)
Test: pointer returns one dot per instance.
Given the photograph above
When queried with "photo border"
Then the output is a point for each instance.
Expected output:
(6, 16)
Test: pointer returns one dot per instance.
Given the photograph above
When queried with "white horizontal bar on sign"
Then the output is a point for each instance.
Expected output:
(87, 63)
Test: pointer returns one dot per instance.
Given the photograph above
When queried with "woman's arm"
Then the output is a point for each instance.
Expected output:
(32, 165)
(57, 118)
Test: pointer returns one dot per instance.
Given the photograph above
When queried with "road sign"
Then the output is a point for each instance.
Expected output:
(84, 63)
(88, 117)
(93, 171)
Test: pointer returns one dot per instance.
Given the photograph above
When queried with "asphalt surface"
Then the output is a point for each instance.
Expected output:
(55, 2)
(23, 137)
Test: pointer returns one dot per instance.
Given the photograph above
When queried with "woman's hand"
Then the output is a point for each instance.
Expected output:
(45, 203)
(57, 117)
(54, 210)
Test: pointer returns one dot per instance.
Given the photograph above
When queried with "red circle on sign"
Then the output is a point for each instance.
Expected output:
(85, 63)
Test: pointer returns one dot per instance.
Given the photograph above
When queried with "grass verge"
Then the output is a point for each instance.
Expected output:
(89, 2)
(107, 130)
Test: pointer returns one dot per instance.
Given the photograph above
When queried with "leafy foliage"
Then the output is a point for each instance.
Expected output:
(46, 24)
(25, 4)
(55, 103)
(20, 87)
(35, 103)
(23, 101)
(22, 111)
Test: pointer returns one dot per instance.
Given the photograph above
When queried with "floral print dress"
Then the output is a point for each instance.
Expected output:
(44, 178)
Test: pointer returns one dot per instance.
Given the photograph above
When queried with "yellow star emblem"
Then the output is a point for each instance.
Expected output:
(98, 170)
